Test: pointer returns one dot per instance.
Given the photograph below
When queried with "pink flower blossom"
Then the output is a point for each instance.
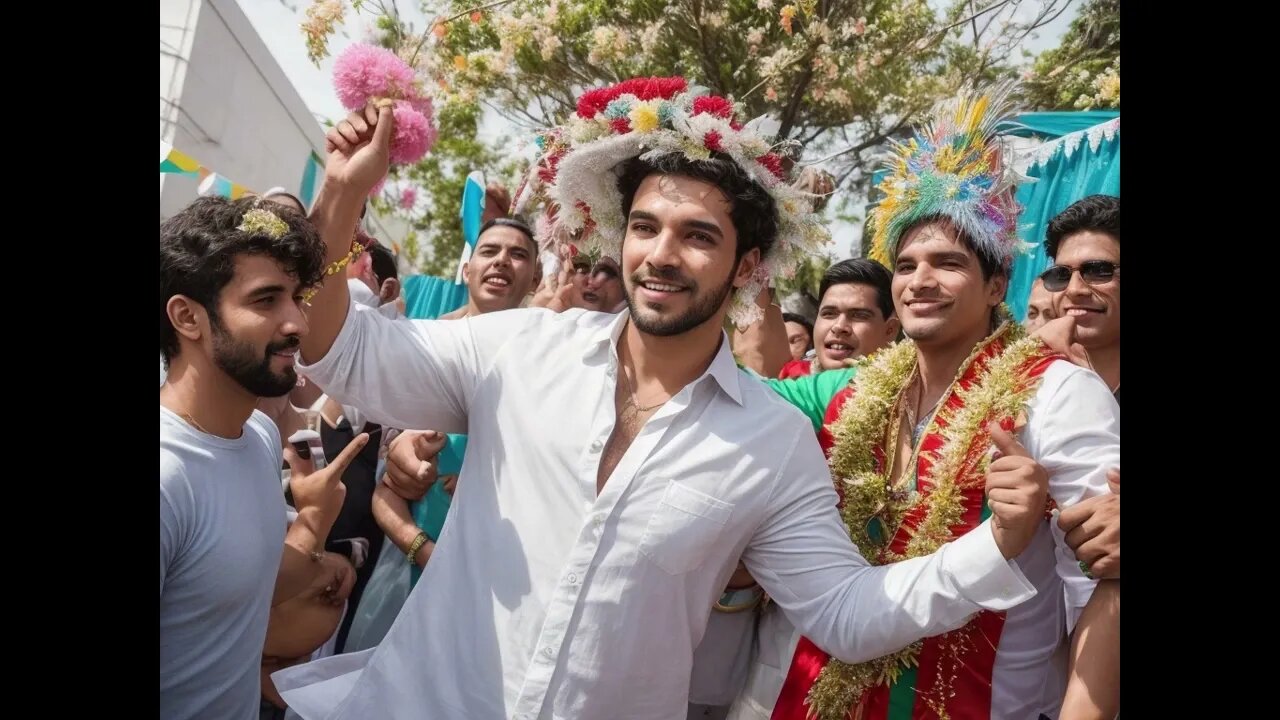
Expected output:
(414, 134)
(408, 198)
(363, 72)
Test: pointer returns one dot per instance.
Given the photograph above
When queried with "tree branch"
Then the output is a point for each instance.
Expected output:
(875, 140)
(427, 33)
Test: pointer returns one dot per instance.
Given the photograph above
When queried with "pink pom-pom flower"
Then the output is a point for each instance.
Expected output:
(414, 134)
(363, 72)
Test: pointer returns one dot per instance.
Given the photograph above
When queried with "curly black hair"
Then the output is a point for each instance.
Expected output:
(199, 246)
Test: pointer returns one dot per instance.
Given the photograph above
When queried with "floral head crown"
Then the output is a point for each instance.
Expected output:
(575, 173)
(953, 167)
(261, 221)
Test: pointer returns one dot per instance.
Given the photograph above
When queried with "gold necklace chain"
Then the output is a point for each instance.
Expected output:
(634, 401)
(193, 422)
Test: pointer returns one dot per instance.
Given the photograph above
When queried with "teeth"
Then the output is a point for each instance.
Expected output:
(662, 288)
(498, 281)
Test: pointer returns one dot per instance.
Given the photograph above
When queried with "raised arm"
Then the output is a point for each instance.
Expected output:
(358, 150)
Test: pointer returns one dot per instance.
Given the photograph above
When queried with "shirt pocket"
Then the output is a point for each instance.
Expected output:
(684, 528)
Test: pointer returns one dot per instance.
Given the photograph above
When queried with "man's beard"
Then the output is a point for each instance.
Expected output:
(702, 307)
(250, 369)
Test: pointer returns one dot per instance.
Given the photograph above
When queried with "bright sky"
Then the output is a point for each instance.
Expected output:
(278, 23)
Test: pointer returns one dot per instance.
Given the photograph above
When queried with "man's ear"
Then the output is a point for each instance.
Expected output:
(188, 317)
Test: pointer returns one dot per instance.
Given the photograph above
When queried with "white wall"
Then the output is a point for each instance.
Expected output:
(225, 102)
(230, 105)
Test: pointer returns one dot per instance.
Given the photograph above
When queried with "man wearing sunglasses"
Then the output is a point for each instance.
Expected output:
(1084, 242)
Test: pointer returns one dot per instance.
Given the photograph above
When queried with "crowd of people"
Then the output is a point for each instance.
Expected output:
(621, 482)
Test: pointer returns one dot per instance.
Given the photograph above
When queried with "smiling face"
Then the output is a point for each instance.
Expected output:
(257, 327)
(939, 293)
(679, 255)
(501, 271)
(850, 325)
(1096, 305)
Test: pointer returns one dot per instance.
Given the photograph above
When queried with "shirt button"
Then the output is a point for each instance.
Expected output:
(573, 579)
(548, 652)
(595, 446)
(598, 520)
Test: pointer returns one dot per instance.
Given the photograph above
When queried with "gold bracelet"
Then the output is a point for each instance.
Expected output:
(334, 268)
(415, 546)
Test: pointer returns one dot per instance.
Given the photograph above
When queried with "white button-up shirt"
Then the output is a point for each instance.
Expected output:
(544, 600)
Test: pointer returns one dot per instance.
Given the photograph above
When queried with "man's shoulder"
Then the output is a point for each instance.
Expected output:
(773, 410)
(1069, 402)
(532, 318)
(1061, 375)
(264, 430)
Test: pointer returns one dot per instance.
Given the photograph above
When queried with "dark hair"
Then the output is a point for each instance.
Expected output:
(799, 320)
(861, 271)
(751, 207)
(199, 246)
(507, 222)
(990, 265)
(384, 263)
(1096, 213)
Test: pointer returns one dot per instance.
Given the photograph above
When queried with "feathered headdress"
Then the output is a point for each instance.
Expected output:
(953, 168)
(575, 173)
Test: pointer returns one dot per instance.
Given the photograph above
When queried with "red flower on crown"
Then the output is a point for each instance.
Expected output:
(714, 105)
(593, 102)
(774, 163)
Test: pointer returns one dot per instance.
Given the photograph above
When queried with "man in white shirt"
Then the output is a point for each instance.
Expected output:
(619, 465)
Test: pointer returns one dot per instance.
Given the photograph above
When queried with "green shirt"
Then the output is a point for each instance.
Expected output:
(812, 393)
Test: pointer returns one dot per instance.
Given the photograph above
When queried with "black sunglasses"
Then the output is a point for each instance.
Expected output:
(1094, 272)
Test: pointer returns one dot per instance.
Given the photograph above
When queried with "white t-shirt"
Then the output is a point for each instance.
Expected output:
(222, 527)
